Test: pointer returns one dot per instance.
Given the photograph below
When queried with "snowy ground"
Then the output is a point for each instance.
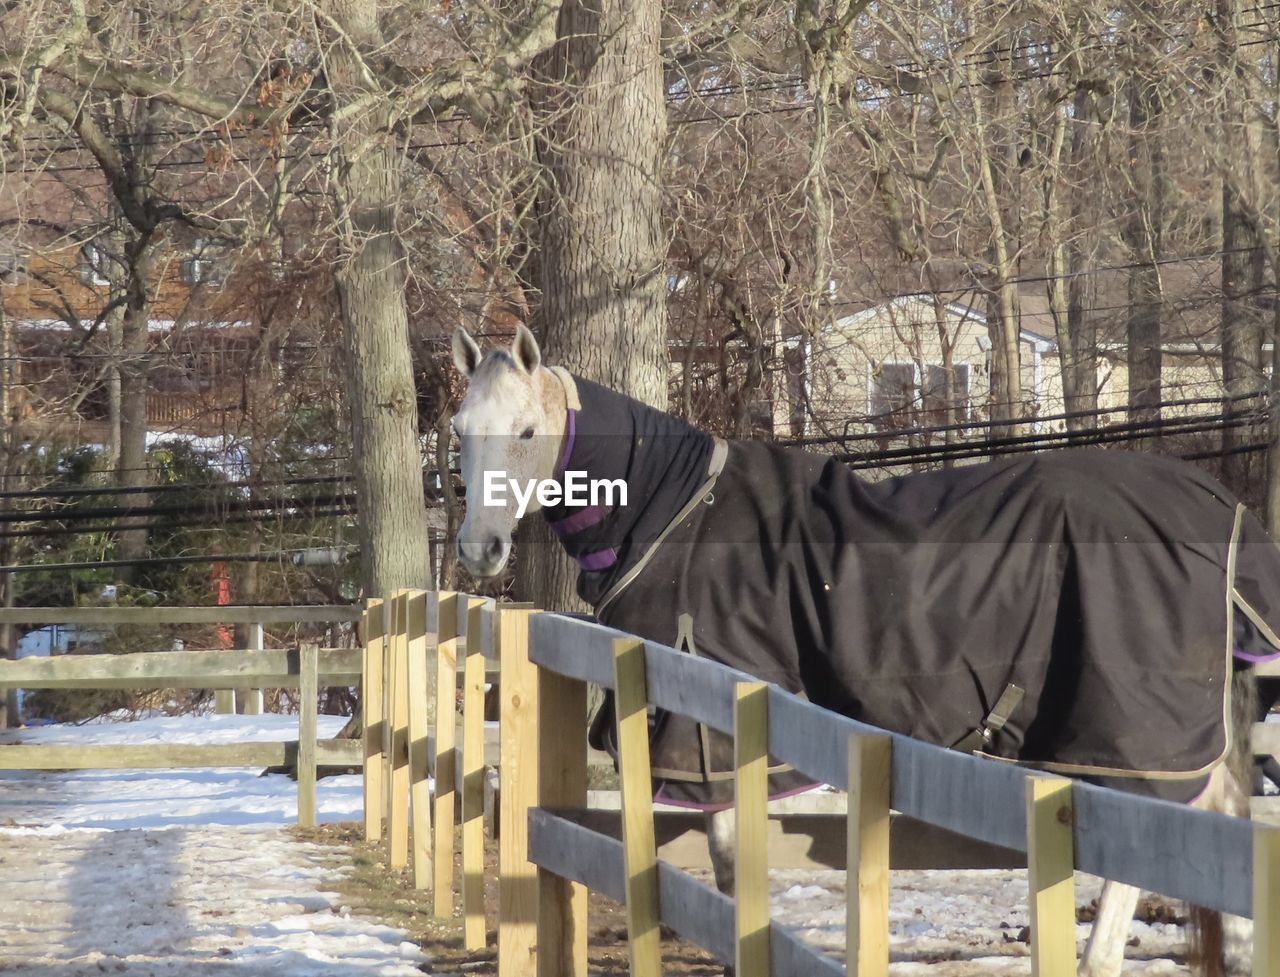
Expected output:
(177, 872)
(189, 872)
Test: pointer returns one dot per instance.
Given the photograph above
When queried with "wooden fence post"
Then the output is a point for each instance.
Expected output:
(1266, 900)
(446, 765)
(867, 851)
(398, 751)
(417, 661)
(751, 843)
(639, 848)
(473, 782)
(1051, 877)
(308, 693)
(373, 680)
(562, 782)
(253, 697)
(518, 766)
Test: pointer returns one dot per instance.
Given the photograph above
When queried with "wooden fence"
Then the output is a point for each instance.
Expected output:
(306, 668)
(548, 858)
(255, 617)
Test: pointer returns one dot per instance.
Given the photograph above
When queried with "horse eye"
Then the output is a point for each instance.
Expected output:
(526, 434)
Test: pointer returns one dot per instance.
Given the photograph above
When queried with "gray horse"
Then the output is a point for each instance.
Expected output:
(1089, 613)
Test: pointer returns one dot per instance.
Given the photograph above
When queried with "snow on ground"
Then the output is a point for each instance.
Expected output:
(954, 923)
(168, 872)
(162, 873)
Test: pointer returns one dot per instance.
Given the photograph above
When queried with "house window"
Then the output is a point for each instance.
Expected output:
(892, 395)
(95, 266)
(200, 271)
(906, 395)
(934, 394)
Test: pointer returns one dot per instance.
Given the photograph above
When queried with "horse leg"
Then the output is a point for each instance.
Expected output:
(721, 831)
(1223, 944)
(1104, 952)
(721, 827)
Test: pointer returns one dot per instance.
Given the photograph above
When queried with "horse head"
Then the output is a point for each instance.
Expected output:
(510, 427)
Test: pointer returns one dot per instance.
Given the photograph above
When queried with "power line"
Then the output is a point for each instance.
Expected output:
(158, 561)
(261, 519)
(76, 491)
(1106, 434)
(80, 514)
(1007, 422)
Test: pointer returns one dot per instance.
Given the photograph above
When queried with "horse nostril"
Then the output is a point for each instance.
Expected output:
(494, 549)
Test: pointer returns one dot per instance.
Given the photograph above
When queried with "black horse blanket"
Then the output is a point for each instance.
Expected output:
(1078, 611)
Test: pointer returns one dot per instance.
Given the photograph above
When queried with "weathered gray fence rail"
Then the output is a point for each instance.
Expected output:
(1207, 859)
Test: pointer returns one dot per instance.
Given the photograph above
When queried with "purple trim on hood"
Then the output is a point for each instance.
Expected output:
(570, 430)
(1244, 656)
(599, 560)
(580, 520)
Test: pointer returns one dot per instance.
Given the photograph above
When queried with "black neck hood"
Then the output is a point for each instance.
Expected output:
(661, 459)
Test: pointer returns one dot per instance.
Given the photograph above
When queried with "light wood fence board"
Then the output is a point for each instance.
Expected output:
(229, 614)
(1266, 900)
(157, 756)
(339, 753)
(1051, 877)
(417, 665)
(398, 716)
(473, 761)
(372, 696)
(562, 781)
(273, 668)
(149, 756)
(448, 620)
(867, 850)
(517, 876)
(253, 705)
(639, 847)
(694, 910)
(751, 828)
(308, 696)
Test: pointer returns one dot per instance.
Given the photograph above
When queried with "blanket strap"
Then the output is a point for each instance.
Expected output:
(719, 454)
(980, 738)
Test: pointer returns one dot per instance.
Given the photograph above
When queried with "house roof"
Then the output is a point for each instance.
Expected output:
(1035, 328)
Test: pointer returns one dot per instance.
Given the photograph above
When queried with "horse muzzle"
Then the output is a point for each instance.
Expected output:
(486, 557)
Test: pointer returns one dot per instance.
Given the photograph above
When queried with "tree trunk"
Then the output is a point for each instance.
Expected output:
(1076, 330)
(1144, 233)
(134, 369)
(997, 163)
(9, 716)
(1271, 514)
(1242, 336)
(602, 251)
(371, 282)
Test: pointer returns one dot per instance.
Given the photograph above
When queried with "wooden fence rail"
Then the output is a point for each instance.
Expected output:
(303, 668)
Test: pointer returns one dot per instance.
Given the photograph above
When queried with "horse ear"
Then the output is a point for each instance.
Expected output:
(524, 349)
(466, 354)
